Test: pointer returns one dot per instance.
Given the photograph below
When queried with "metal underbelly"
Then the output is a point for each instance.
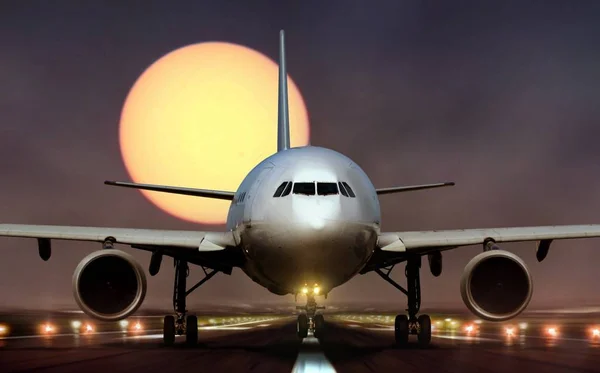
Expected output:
(285, 258)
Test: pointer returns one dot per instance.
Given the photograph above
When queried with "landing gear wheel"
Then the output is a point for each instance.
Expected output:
(401, 329)
(191, 330)
(424, 334)
(169, 330)
(302, 326)
(319, 322)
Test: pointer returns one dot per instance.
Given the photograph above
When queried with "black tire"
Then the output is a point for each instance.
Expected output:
(401, 330)
(424, 335)
(302, 326)
(319, 322)
(169, 330)
(191, 330)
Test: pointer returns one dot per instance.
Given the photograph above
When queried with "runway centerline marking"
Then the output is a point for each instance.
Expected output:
(312, 361)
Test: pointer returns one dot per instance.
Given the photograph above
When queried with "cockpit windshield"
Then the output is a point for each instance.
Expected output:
(325, 189)
(312, 188)
(304, 188)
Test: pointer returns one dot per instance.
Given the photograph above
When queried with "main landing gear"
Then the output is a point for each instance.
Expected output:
(181, 324)
(310, 321)
(411, 324)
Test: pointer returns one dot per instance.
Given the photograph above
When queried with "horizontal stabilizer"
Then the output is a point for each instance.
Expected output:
(411, 188)
(207, 193)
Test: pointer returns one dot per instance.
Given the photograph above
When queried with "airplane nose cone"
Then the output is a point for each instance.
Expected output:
(314, 213)
(317, 224)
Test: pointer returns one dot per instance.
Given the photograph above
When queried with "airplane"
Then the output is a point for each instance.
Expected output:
(303, 221)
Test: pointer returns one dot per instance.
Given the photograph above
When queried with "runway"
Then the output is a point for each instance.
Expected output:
(352, 344)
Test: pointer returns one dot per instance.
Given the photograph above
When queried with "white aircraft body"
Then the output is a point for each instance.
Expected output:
(303, 221)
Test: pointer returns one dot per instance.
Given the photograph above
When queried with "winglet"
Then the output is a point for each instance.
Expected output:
(283, 118)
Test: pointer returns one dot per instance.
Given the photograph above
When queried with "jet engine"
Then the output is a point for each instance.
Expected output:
(109, 285)
(496, 285)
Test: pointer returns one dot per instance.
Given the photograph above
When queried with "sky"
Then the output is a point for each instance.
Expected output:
(497, 96)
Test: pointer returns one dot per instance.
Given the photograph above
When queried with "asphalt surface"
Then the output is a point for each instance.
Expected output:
(352, 344)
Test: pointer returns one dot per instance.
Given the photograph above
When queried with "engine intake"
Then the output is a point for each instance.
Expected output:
(109, 285)
(496, 285)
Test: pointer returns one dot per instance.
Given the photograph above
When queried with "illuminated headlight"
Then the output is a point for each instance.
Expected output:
(510, 332)
(316, 290)
(137, 327)
(89, 328)
(3, 329)
(305, 290)
(76, 324)
(523, 326)
(595, 332)
(123, 323)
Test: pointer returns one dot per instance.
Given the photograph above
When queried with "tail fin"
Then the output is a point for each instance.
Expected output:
(283, 118)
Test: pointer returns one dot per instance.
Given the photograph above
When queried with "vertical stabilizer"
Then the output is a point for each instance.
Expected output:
(283, 117)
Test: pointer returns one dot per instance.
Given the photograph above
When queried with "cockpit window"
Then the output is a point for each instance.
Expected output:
(350, 191)
(280, 189)
(304, 188)
(287, 190)
(325, 189)
(342, 189)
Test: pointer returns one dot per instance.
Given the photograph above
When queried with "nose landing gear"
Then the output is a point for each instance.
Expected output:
(310, 321)
(405, 325)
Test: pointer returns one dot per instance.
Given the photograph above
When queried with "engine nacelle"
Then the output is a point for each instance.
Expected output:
(109, 285)
(496, 285)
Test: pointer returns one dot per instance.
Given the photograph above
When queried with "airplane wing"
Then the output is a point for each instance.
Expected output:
(422, 241)
(185, 240)
(393, 247)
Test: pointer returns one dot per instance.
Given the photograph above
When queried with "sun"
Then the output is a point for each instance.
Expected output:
(203, 116)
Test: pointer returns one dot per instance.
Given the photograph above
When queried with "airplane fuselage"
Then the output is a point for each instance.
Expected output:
(320, 229)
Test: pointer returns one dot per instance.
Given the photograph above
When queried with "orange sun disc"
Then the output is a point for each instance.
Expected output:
(202, 117)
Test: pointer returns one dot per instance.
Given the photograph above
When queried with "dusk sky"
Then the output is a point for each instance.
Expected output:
(499, 97)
